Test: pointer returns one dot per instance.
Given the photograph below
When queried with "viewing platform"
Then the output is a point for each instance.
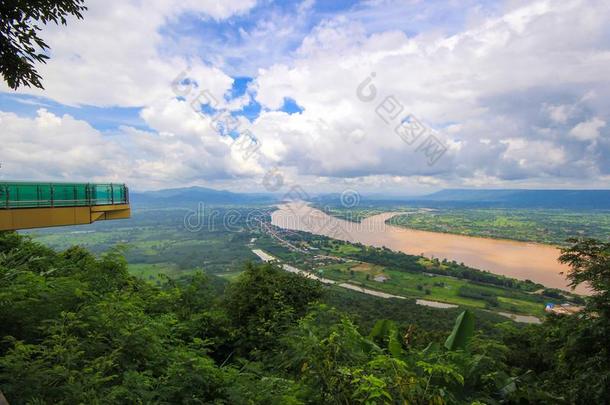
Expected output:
(25, 205)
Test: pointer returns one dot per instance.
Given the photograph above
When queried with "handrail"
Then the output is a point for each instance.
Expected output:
(42, 195)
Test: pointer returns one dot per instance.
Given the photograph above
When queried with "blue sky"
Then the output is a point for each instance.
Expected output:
(214, 34)
(506, 94)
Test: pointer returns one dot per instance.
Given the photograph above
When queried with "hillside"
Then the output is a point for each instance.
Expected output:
(80, 329)
(189, 196)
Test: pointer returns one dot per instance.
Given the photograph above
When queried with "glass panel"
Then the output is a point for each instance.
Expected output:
(119, 193)
(44, 195)
(23, 195)
(3, 196)
(102, 194)
(63, 195)
(80, 194)
(26, 195)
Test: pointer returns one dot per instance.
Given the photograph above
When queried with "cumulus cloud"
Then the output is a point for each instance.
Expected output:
(117, 55)
(51, 147)
(588, 130)
(481, 89)
(517, 96)
(559, 113)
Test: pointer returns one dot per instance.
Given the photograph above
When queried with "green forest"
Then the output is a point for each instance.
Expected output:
(217, 305)
(414, 276)
(551, 226)
(78, 328)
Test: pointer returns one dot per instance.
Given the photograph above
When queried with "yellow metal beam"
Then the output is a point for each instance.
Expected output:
(27, 218)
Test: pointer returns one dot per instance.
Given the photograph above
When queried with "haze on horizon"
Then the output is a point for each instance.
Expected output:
(383, 96)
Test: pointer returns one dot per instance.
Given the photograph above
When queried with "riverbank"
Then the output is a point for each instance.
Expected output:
(520, 260)
(266, 257)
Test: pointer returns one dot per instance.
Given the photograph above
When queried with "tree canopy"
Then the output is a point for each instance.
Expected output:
(21, 46)
(78, 328)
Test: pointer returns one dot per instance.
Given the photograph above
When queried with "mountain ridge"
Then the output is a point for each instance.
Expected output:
(453, 197)
(188, 195)
(557, 198)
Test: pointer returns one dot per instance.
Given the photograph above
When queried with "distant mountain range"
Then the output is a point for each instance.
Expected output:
(479, 198)
(180, 197)
(459, 198)
(591, 199)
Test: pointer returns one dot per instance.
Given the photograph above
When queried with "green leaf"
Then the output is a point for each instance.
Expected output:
(433, 347)
(462, 331)
(385, 331)
(382, 328)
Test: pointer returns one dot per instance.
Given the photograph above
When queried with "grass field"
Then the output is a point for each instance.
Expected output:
(151, 272)
(550, 226)
(344, 248)
(432, 287)
(415, 276)
(156, 241)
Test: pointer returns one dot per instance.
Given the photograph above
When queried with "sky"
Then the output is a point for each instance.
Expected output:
(379, 96)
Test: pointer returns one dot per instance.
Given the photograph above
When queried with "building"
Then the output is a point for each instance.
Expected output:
(562, 309)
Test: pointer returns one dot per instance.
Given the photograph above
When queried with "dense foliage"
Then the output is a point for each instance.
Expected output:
(79, 329)
(20, 45)
(411, 276)
(219, 239)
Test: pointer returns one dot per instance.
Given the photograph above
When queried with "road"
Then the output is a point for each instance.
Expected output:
(266, 257)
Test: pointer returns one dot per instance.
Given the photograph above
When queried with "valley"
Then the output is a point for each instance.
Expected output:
(158, 243)
(524, 261)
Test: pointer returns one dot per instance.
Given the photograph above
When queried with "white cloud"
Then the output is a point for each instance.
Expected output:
(466, 86)
(559, 113)
(51, 147)
(588, 130)
(534, 154)
(115, 56)
(503, 93)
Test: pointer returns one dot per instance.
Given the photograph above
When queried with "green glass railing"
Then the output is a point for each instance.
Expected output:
(42, 195)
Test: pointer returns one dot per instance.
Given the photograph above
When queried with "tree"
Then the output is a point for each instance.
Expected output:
(569, 354)
(589, 262)
(264, 301)
(20, 45)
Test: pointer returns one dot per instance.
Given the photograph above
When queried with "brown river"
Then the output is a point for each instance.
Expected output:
(520, 260)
